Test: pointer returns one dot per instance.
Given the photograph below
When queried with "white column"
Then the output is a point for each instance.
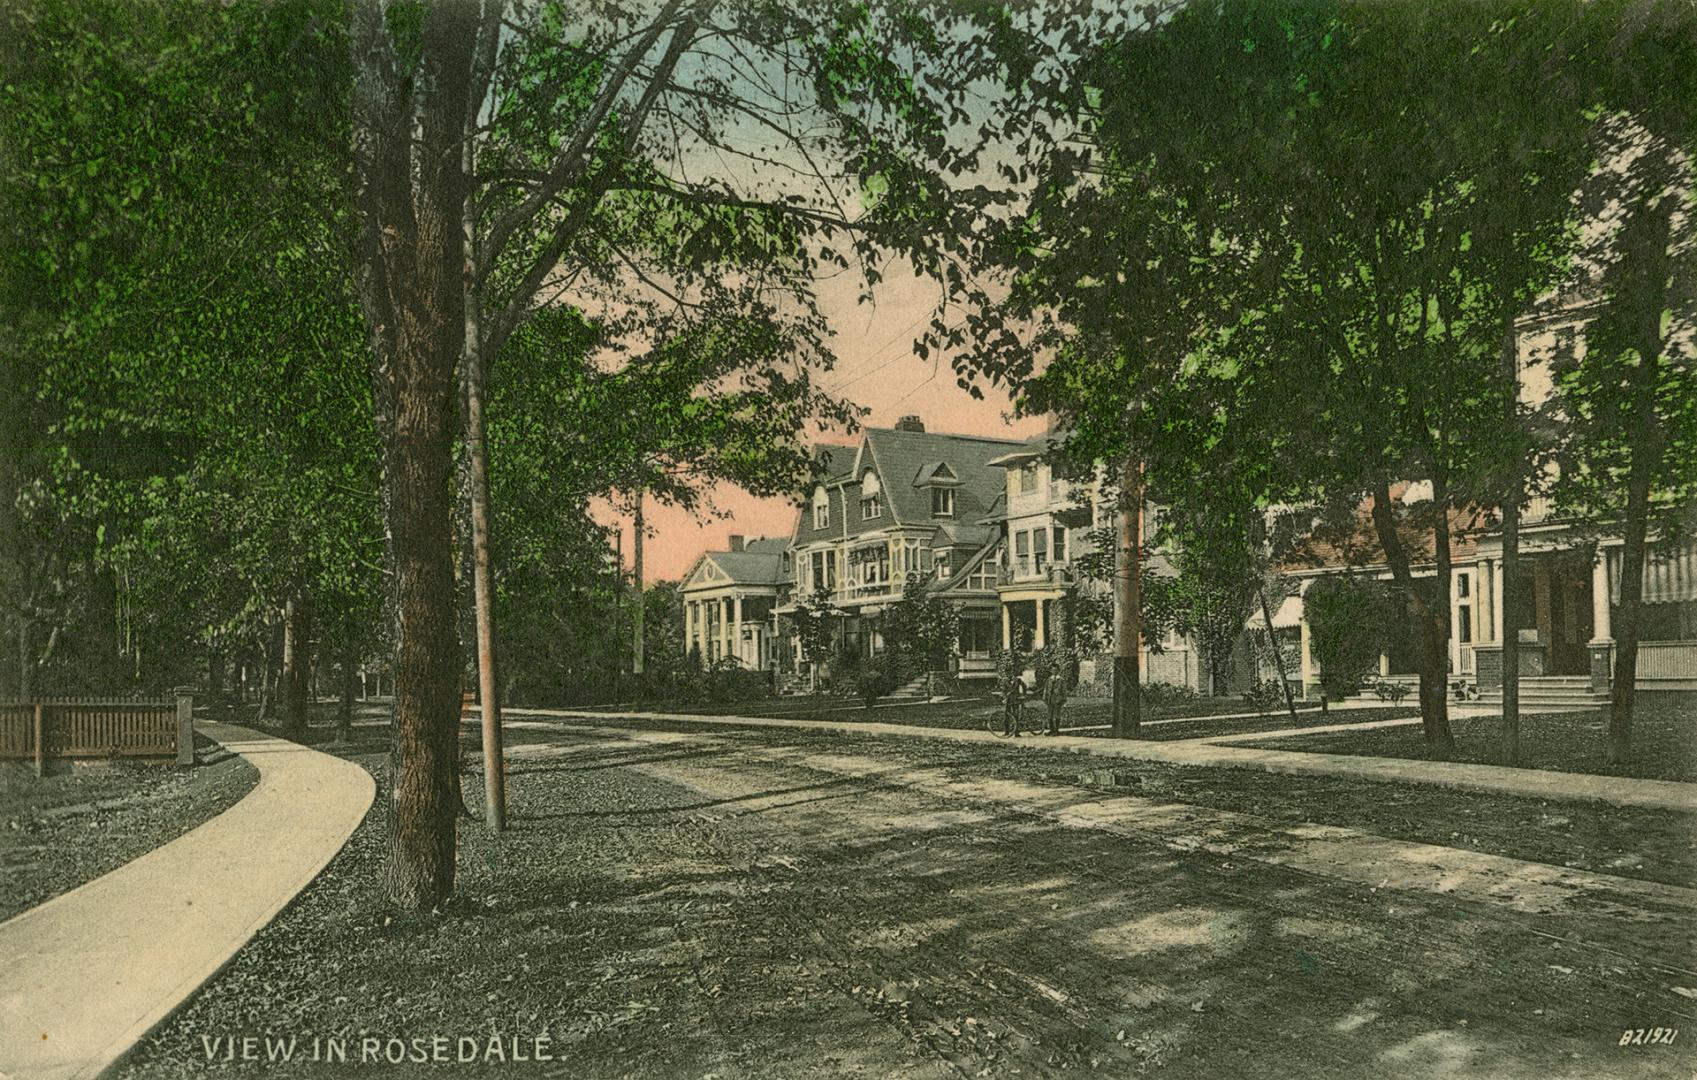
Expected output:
(1601, 630)
(1307, 658)
(1487, 621)
(1007, 628)
(1039, 641)
(725, 627)
(1497, 605)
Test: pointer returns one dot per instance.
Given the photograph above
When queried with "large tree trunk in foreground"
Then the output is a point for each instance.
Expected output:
(409, 127)
(1128, 602)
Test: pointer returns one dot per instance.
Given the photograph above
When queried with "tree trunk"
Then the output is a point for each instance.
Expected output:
(1508, 747)
(411, 197)
(637, 658)
(297, 660)
(482, 575)
(1646, 448)
(1434, 715)
(215, 704)
(1440, 612)
(26, 667)
(1278, 654)
(350, 675)
(1632, 556)
(1128, 601)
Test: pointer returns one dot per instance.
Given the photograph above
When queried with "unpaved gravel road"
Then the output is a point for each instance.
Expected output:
(705, 905)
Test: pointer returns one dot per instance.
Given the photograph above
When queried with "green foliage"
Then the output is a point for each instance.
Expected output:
(873, 680)
(1348, 619)
(813, 620)
(920, 630)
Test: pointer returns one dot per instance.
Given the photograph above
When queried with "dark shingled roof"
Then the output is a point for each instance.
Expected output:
(901, 458)
(760, 562)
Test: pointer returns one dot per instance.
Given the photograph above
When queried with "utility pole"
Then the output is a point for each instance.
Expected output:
(1128, 600)
(494, 765)
(1509, 747)
(636, 660)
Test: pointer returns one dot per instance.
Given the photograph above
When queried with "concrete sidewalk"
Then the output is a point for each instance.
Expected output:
(1496, 779)
(84, 976)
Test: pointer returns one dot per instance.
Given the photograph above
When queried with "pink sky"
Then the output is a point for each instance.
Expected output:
(877, 369)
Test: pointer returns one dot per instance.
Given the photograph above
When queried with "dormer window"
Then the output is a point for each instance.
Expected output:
(821, 508)
(871, 497)
(1025, 479)
(940, 481)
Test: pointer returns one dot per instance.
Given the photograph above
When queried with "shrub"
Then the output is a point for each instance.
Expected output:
(873, 681)
(1347, 618)
(1263, 695)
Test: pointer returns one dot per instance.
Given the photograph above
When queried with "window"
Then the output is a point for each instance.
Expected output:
(1025, 479)
(871, 508)
(824, 570)
(983, 575)
(821, 508)
(1463, 583)
(1022, 553)
(978, 638)
(1060, 544)
(1464, 625)
(1040, 549)
(942, 502)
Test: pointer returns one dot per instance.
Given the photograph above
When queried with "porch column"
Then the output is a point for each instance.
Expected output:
(725, 627)
(1037, 640)
(1487, 630)
(1007, 629)
(1497, 606)
(1307, 657)
(736, 629)
(689, 625)
(1601, 646)
(1600, 628)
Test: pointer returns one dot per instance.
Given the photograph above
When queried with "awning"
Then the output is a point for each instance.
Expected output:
(1668, 579)
(1287, 616)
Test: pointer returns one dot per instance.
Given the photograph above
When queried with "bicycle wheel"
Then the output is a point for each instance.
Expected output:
(996, 723)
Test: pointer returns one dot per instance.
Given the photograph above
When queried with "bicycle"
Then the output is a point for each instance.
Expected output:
(996, 723)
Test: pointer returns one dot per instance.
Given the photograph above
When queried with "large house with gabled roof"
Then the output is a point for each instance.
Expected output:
(904, 504)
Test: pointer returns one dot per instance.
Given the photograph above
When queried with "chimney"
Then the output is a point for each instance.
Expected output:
(910, 423)
(736, 542)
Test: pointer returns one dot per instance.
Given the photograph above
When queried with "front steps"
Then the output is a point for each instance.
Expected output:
(1544, 692)
(915, 690)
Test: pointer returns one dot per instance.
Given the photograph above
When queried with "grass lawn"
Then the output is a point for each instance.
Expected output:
(74, 825)
(1664, 742)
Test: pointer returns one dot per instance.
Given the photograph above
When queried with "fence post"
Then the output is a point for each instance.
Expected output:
(40, 743)
(185, 729)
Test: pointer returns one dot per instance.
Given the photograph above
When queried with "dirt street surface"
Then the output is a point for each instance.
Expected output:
(687, 904)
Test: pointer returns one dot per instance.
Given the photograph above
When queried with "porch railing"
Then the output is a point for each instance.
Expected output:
(1667, 660)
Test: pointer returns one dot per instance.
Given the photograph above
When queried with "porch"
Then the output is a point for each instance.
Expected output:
(1568, 605)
